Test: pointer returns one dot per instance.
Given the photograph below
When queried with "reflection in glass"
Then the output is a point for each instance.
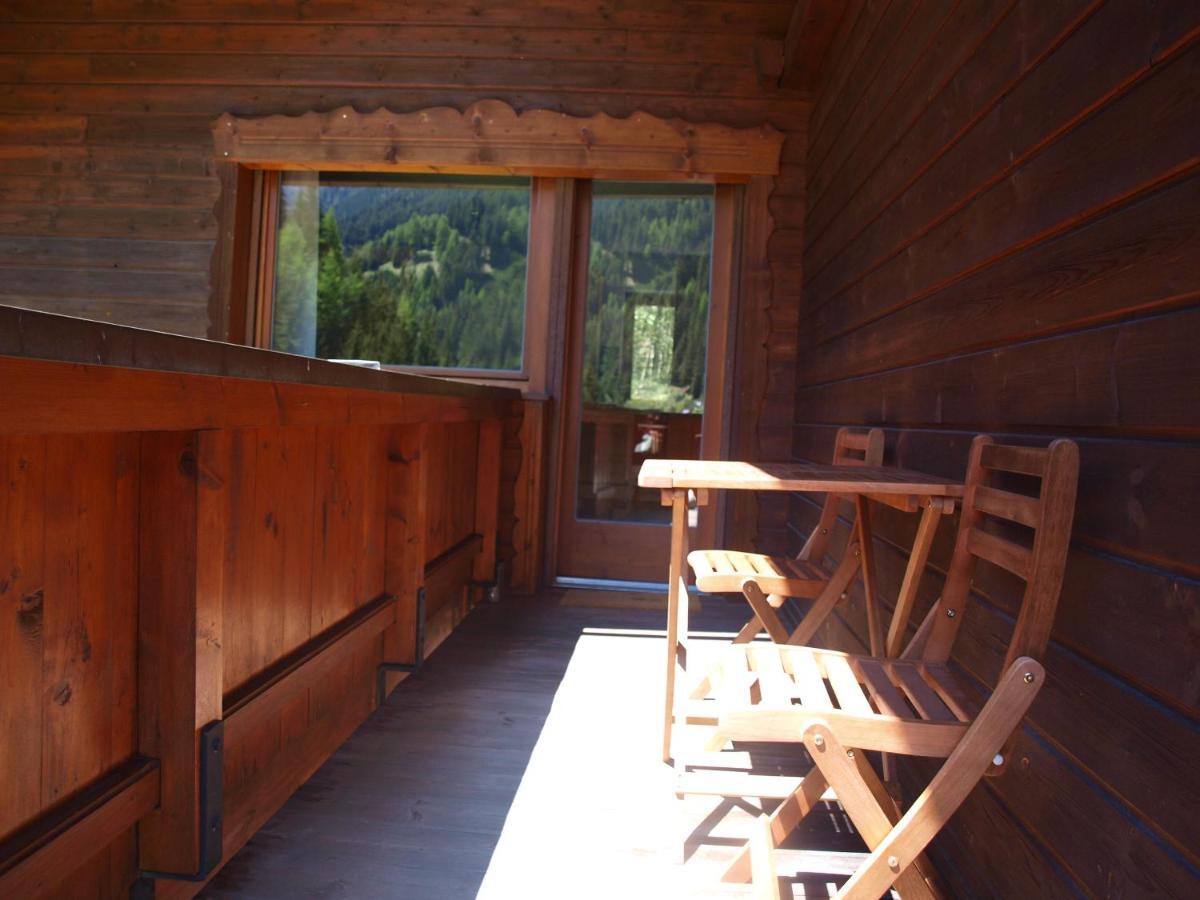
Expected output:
(645, 341)
(405, 270)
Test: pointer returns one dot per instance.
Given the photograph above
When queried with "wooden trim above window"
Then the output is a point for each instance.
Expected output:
(491, 137)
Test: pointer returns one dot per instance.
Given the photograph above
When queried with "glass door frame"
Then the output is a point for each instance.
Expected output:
(626, 552)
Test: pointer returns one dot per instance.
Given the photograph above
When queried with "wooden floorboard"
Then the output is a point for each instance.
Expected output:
(520, 762)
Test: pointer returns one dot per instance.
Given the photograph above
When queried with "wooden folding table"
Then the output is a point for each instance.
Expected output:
(899, 488)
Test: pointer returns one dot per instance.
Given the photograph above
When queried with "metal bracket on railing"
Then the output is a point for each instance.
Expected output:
(212, 791)
(491, 589)
(418, 654)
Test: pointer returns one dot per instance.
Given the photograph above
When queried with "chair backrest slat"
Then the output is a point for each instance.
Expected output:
(856, 440)
(1006, 505)
(1040, 564)
(850, 448)
(1022, 460)
(1004, 553)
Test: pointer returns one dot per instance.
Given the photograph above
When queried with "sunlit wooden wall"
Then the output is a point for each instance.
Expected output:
(179, 548)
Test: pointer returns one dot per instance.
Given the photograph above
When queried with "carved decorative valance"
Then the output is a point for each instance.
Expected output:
(490, 136)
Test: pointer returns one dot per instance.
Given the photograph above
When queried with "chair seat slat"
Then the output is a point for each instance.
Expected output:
(889, 700)
(924, 699)
(720, 571)
(810, 685)
(846, 688)
(736, 680)
(775, 686)
(952, 691)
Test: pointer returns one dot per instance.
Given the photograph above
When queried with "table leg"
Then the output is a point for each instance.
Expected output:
(931, 512)
(677, 612)
(862, 524)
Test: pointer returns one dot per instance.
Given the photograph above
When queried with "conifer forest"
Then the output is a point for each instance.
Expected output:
(431, 272)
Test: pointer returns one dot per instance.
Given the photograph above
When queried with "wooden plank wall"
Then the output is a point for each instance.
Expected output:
(68, 635)
(106, 177)
(152, 581)
(1003, 235)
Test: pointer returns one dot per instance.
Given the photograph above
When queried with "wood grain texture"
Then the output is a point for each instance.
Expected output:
(183, 511)
(31, 862)
(999, 238)
(65, 397)
(404, 574)
(489, 135)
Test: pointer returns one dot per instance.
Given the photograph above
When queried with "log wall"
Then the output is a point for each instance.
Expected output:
(106, 171)
(1003, 235)
(177, 548)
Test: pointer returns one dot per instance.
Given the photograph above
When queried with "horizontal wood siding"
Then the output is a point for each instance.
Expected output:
(1002, 234)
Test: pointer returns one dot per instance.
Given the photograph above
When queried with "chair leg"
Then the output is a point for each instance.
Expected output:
(762, 863)
(864, 798)
(749, 631)
(764, 612)
(828, 598)
(783, 821)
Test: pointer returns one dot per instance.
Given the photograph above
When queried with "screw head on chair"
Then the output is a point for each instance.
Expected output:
(1028, 678)
(850, 754)
(893, 863)
(950, 614)
(818, 741)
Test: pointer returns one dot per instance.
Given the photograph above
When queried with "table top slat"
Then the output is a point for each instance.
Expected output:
(734, 475)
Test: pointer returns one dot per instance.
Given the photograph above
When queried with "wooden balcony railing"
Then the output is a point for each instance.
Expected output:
(208, 552)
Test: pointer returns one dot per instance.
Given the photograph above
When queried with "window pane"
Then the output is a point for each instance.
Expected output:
(411, 270)
(645, 341)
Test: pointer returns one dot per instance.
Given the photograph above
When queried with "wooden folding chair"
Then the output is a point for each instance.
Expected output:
(768, 581)
(839, 705)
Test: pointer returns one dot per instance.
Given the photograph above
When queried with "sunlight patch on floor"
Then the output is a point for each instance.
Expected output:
(596, 813)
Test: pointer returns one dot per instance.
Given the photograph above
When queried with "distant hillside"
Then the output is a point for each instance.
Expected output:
(435, 274)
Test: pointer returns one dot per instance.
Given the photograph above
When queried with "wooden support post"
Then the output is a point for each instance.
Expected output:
(184, 517)
(487, 496)
(523, 576)
(404, 555)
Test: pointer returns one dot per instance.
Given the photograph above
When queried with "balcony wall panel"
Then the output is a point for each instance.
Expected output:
(178, 547)
(1008, 244)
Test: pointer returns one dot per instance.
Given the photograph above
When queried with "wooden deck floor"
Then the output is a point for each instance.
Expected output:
(520, 762)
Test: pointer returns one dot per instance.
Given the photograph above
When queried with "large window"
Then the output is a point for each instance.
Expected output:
(424, 271)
